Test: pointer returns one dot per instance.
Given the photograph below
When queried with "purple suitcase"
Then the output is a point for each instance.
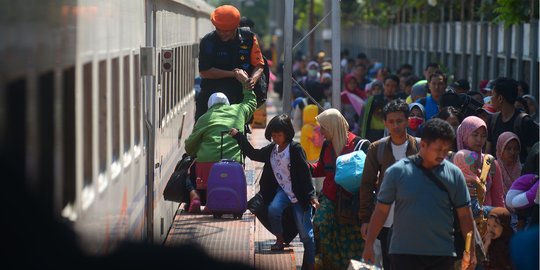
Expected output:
(227, 190)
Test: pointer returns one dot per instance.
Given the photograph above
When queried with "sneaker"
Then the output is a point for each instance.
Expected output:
(195, 206)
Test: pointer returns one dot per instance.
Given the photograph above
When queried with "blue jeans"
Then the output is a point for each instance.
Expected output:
(303, 220)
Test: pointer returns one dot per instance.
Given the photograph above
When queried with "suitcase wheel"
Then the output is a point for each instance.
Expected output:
(238, 216)
(216, 216)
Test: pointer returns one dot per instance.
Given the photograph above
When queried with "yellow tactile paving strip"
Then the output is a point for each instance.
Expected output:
(244, 240)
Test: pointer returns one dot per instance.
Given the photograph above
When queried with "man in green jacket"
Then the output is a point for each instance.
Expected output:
(205, 140)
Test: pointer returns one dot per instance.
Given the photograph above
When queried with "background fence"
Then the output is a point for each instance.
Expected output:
(470, 50)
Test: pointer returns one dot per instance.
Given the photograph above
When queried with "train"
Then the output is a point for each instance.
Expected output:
(97, 97)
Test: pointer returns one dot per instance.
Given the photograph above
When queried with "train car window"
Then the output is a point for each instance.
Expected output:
(174, 79)
(171, 87)
(137, 100)
(45, 122)
(115, 77)
(68, 136)
(161, 83)
(102, 119)
(166, 94)
(183, 75)
(178, 78)
(87, 131)
(127, 104)
(189, 66)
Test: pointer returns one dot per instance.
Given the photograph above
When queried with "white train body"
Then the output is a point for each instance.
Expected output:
(98, 123)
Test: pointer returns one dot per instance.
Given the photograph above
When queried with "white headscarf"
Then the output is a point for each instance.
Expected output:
(334, 122)
(217, 98)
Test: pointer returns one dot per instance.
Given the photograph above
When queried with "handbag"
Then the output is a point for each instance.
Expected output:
(349, 168)
(176, 189)
(347, 206)
(256, 204)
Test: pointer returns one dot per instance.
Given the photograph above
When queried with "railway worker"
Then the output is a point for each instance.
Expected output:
(205, 140)
(424, 188)
(224, 54)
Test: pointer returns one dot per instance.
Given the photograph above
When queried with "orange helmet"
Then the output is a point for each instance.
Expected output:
(225, 17)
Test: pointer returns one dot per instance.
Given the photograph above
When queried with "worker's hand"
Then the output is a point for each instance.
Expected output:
(233, 132)
(250, 83)
(240, 75)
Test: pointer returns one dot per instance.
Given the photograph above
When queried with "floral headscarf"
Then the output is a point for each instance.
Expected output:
(510, 172)
(463, 159)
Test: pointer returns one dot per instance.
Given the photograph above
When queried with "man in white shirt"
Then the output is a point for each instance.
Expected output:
(381, 155)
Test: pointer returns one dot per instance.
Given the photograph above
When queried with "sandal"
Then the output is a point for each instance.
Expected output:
(277, 247)
(195, 206)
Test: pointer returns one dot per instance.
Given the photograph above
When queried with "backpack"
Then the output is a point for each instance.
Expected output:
(347, 203)
(517, 123)
(246, 43)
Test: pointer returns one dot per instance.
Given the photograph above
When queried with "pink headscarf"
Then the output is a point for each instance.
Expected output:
(467, 127)
(463, 159)
(510, 172)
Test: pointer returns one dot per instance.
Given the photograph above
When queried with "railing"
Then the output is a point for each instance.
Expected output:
(470, 50)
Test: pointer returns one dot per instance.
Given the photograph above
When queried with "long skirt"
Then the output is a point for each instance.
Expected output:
(338, 243)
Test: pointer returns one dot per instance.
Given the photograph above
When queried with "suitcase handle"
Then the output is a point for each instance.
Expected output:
(221, 151)
(222, 133)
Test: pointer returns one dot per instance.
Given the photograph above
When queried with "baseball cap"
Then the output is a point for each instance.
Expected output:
(488, 107)
(462, 83)
(489, 86)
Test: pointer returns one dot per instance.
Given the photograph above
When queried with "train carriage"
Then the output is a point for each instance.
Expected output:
(97, 117)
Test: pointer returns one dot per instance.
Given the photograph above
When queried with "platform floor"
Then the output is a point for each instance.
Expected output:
(244, 240)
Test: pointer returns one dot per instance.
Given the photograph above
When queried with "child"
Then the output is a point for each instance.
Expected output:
(416, 118)
(497, 239)
(466, 161)
(311, 139)
(285, 180)
(508, 148)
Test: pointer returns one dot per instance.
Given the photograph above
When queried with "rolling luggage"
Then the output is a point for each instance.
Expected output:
(227, 189)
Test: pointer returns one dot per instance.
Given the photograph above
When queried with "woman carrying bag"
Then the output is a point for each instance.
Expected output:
(339, 242)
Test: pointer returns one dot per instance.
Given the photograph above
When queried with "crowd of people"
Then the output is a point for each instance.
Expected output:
(445, 158)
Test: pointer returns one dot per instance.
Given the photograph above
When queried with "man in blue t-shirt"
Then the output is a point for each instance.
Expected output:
(437, 88)
(422, 236)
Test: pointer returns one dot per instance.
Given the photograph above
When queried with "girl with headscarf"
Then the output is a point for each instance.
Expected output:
(497, 239)
(417, 116)
(508, 148)
(472, 135)
(339, 242)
